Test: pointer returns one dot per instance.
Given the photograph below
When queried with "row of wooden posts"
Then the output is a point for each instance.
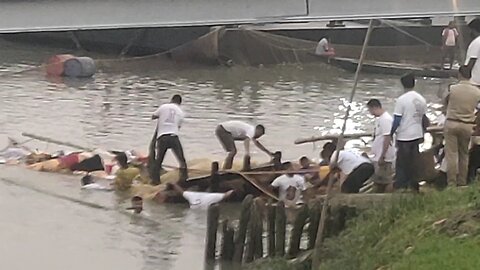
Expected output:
(245, 243)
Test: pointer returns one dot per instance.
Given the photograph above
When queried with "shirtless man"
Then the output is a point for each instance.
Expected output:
(231, 131)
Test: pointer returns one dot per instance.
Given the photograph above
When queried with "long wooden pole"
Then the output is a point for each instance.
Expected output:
(432, 129)
(323, 216)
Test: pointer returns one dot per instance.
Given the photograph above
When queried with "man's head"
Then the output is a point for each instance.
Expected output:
(408, 81)
(474, 26)
(289, 167)
(327, 151)
(137, 204)
(122, 160)
(375, 107)
(259, 131)
(86, 180)
(451, 24)
(464, 73)
(177, 99)
(304, 162)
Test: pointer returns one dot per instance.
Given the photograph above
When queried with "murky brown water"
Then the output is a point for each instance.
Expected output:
(113, 112)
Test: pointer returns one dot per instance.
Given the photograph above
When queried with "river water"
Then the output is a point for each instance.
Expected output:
(43, 230)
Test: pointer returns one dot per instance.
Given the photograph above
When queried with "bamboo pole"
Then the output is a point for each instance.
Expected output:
(212, 226)
(281, 228)
(242, 229)
(432, 129)
(297, 231)
(323, 215)
(50, 140)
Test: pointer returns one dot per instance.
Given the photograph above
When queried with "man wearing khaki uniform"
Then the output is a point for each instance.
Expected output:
(461, 102)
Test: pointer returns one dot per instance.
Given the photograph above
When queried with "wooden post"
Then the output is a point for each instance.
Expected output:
(297, 231)
(277, 160)
(281, 227)
(258, 233)
(246, 163)
(242, 229)
(314, 221)
(212, 226)
(251, 239)
(214, 177)
(271, 230)
(227, 242)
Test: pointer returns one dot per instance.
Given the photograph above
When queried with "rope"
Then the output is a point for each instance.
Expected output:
(387, 22)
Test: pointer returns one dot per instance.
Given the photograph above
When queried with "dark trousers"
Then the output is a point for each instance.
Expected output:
(165, 142)
(357, 177)
(473, 162)
(406, 170)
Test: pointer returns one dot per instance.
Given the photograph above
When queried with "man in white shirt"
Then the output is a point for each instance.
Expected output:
(473, 52)
(231, 131)
(323, 47)
(383, 152)
(201, 200)
(169, 120)
(409, 124)
(355, 169)
(290, 187)
(449, 43)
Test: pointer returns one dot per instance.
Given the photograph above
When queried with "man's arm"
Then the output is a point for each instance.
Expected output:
(176, 187)
(396, 123)
(261, 147)
(471, 63)
(156, 114)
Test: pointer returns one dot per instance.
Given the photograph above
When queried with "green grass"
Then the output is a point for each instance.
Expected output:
(402, 234)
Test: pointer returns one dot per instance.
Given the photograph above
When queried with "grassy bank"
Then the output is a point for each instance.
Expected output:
(437, 230)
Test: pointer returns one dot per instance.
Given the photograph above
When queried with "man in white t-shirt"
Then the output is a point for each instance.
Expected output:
(473, 52)
(201, 200)
(383, 152)
(409, 124)
(324, 48)
(290, 187)
(354, 169)
(449, 43)
(169, 120)
(231, 131)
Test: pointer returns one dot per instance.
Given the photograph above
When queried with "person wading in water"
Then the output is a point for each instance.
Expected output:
(169, 120)
(231, 131)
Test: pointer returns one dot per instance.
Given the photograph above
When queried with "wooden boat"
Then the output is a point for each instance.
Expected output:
(392, 68)
(388, 68)
(248, 181)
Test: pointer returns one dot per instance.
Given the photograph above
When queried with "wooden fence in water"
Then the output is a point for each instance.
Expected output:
(247, 242)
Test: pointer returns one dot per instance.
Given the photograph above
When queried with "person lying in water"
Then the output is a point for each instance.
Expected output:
(88, 183)
(127, 174)
(137, 205)
(200, 200)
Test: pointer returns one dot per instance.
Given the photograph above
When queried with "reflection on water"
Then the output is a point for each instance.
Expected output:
(113, 112)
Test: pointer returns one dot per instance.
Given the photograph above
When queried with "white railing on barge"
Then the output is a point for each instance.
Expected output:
(61, 15)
